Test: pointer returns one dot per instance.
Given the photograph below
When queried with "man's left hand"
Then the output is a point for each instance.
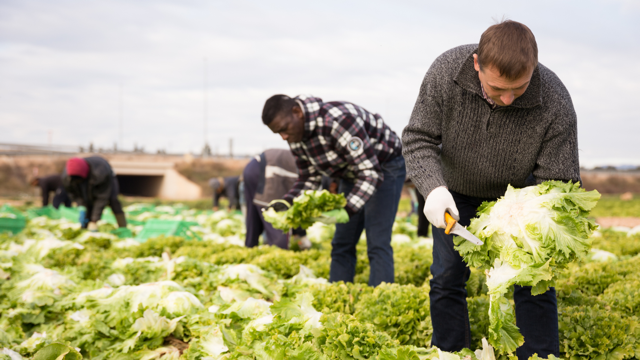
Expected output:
(93, 227)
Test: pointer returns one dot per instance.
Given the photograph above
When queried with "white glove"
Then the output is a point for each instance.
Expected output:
(439, 201)
(304, 243)
(92, 227)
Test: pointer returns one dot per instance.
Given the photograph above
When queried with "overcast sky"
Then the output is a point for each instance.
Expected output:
(63, 63)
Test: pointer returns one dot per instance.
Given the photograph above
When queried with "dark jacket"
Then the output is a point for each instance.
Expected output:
(92, 193)
(49, 184)
(230, 190)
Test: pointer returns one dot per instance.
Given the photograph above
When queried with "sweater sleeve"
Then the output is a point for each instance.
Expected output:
(558, 157)
(423, 134)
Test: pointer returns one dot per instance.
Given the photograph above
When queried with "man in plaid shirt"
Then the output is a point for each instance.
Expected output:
(342, 140)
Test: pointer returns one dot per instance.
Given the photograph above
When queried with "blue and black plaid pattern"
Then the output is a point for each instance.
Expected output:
(342, 140)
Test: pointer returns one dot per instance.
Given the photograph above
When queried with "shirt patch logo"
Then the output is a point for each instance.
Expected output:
(355, 143)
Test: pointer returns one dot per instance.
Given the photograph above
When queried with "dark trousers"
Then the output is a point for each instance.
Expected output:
(61, 197)
(255, 223)
(114, 203)
(536, 316)
(376, 218)
(423, 223)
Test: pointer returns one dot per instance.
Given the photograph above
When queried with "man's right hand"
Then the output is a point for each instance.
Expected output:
(437, 203)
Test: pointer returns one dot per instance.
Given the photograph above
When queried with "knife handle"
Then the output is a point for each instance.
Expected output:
(451, 222)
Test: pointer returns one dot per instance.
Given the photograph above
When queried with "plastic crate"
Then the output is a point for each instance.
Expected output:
(107, 216)
(69, 213)
(13, 224)
(48, 211)
(6, 208)
(122, 233)
(157, 227)
(140, 209)
(73, 214)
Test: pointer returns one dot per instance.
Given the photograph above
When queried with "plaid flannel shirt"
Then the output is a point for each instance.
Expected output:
(342, 140)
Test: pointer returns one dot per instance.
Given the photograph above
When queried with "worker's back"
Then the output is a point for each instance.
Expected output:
(279, 173)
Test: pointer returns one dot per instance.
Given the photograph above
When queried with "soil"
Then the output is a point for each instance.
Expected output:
(606, 222)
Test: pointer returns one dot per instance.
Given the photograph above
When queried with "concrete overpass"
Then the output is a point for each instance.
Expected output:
(154, 179)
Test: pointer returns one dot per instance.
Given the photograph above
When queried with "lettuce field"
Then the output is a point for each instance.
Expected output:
(179, 284)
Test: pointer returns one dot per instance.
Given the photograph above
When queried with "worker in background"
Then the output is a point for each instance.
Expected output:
(91, 183)
(227, 187)
(500, 118)
(52, 184)
(417, 204)
(343, 140)
(269, 176)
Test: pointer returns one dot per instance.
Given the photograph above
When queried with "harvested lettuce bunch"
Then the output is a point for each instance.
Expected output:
(528, 234)
(307, 208)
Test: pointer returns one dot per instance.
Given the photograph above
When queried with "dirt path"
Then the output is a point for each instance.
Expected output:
(606, 222)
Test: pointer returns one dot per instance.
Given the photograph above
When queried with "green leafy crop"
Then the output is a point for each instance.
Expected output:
(528, 235)
(309, 207)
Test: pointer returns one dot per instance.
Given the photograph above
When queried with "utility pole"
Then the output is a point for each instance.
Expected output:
(205, 106)
(230, 148)
(120, 110)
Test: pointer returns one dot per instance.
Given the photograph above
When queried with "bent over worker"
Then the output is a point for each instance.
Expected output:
(91, 183)
(501, 118)
(342, 140)
(52, 184)
(268, 176)
(227, 187)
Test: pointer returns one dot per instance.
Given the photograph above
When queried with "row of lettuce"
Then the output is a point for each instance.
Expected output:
(67, 294)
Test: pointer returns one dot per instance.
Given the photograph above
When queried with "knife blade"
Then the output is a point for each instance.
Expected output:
(454, 227)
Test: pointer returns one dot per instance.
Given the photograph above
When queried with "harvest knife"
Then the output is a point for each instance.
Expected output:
(454, 227)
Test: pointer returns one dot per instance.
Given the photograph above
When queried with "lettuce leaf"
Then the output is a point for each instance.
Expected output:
(307, 208)
(528, 234)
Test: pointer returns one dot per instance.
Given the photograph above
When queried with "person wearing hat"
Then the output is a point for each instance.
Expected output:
(227, 187)
(91, 183)
(52, 184)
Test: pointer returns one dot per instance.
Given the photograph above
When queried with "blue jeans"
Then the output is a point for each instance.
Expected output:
(536, 316)
(376, 217)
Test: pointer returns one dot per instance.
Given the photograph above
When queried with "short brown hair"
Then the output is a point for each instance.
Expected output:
(510, 47)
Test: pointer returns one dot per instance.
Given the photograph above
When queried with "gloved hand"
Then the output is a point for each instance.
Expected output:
(278, 206)
(82, 218)
(439, 201)
(92, 226)
(304, 243)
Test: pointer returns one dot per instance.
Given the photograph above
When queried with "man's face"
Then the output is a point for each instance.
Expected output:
(500, 89)
(290, 125)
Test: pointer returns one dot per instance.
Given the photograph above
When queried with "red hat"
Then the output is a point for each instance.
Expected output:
(77, 167)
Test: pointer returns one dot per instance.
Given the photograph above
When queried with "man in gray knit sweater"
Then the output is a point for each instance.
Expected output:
(488, 115)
